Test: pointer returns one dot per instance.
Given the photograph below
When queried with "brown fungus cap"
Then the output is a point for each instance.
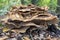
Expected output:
(28, 16)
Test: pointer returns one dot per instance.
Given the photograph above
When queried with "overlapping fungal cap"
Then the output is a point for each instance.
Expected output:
(30, 15)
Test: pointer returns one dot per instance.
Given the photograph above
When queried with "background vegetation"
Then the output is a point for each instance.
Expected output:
(6, 4)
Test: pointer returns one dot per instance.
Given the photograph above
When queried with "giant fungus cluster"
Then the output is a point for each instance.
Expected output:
(30, 23)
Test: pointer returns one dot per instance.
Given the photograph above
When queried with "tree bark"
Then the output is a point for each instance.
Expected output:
(34, 2)
(58, 8)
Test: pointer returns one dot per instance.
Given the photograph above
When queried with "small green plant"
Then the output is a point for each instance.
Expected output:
(0, 24)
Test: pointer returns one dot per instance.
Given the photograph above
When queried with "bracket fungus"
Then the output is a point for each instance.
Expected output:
(30, 20)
